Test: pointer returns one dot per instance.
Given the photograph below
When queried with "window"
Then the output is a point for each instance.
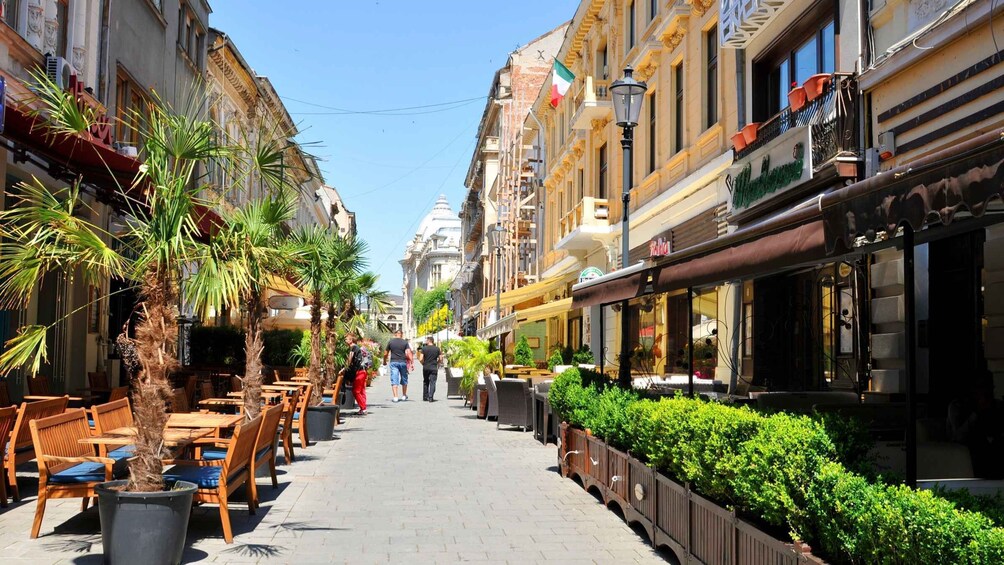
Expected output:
(10, 9)
(602, 68)
(437, 274)
(777, 72)
(652, 131)
(580, 190)
(653, 9)
(130, 105)
(601, 185)
(678, 109)
(191, 36)
(630, 25)
(711, 78)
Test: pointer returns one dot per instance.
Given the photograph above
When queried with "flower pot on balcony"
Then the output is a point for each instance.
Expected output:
(816, 85)
(739, 141)
(796, 98)
(749, 132)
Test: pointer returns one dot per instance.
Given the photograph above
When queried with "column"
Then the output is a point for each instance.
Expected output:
(78, 37)
(36, 24)
(51, 39)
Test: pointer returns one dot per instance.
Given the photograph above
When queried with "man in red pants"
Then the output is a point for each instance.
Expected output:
(355, 370)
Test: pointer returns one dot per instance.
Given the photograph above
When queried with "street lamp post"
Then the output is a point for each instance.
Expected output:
(498, 234)
(628, 95)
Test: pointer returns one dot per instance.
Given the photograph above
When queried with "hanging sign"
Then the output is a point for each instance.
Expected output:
(590, 273)
(658, 247)
(771, 170)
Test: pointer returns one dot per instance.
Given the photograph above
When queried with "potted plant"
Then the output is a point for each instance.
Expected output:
(738, 141)
(816, 85)
(749, 132)
(523, 354)
(474, 356)
(796, 97)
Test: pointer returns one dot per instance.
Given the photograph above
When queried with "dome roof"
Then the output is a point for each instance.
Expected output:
(441, 216)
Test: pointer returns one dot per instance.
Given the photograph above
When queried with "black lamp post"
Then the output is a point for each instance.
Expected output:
(498, 237)
(628, 95)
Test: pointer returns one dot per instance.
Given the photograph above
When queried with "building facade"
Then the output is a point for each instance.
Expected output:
(432, 258)
(502, 187)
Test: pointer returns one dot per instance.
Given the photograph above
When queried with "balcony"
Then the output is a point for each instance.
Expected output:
(578, 228)
(817, 141)
(742, 20)
(491, 144)
(591, 102)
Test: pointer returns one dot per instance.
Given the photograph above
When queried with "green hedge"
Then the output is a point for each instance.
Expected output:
(783, 470)
(279, 346)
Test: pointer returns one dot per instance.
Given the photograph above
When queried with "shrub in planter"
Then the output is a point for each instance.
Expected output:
(555, 359)
(523, 354)
(607, 416)
(279, 345)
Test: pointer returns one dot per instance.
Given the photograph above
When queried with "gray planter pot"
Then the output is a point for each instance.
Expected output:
(144, 527)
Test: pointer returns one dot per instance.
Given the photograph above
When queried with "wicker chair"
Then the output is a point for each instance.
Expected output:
(514, 404)
(493, 397)
(453, 384)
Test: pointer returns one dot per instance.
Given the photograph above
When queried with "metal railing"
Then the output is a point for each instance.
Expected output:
(831, 117)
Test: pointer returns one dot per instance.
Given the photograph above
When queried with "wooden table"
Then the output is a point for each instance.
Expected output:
(173, 437)
(290, 383)
(200, 420)
(37, 397)
(270, 397)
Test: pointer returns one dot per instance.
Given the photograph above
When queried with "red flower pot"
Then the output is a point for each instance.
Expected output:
(816, 85)
(739, 141)
(796, 98)
(749, 132)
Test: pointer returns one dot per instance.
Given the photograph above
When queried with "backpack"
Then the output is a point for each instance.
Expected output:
(365, 359)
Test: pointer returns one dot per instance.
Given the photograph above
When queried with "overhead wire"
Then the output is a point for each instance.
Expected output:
(387, 111)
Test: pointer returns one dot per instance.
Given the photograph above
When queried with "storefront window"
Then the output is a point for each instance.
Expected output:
(648, 334)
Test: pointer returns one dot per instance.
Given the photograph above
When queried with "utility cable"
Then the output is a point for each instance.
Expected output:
(386, 111)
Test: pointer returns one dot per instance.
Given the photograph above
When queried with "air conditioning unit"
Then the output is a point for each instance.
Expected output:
(58, 70)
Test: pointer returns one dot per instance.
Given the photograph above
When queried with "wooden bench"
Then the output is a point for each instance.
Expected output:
(21, 449)
(67, 468)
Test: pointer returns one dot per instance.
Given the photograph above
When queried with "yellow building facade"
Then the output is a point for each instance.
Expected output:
(681, 153)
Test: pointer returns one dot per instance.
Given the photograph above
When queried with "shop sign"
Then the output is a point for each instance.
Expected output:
(590, 273)
(771, 170)
(658, 247)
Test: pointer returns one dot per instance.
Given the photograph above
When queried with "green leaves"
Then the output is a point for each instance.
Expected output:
(26, 349)
(523, 354)
(474, 356)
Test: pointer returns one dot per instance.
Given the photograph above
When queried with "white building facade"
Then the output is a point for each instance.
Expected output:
(431, 258)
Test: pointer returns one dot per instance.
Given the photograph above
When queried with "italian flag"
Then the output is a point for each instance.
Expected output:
(561, 79)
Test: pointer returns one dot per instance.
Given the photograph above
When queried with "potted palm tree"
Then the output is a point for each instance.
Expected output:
(158, 243)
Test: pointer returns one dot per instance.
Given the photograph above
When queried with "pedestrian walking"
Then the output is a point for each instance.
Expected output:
(398, 357)
(356, 370)
(430, 357)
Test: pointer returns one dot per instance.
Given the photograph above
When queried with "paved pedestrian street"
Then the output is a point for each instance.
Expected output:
(412, 482)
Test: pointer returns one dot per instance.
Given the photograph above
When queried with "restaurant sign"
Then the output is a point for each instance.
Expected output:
(771, 170)
(658, 247)
(590, 273)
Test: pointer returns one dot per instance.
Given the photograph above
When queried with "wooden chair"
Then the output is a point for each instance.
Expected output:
(21, 449)
(236, 384)
(206, 390)
(190, 384)
(98, 382)
(289, 405)
(39, 386)
(179, 401)
(118, 393)
(8, 416)
(300, 415)
(217, 480)
(264, 450)
(66, 467)
(332, 398)
(110, 416)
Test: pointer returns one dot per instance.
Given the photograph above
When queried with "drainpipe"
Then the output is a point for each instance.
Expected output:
(741, 86)
(737, 297)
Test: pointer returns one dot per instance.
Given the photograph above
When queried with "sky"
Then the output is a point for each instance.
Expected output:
(436, 58)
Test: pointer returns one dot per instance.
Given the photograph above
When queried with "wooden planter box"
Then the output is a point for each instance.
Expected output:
(482, 404)
(617, 476)
(596, 465)
(642, 494)
(697, 529)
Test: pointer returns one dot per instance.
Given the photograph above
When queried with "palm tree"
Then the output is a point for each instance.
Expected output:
(322, 260)
(161, 237)
(474, 356)
(250, 242)
(341, 296)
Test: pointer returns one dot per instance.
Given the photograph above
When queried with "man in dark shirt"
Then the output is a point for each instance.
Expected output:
(429, 356)
(398, 358)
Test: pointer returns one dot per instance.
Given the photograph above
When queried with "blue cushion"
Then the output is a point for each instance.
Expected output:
(326, 400)
(21, 449)
(90, 421)
(296, 415)
(262, 452)
(203, 477)
(123, 452)
(80, 473)
(214, 453)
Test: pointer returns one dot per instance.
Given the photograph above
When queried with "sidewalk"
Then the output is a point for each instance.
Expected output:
(412, 482)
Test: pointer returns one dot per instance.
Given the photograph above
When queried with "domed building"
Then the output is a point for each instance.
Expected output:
(432, 257)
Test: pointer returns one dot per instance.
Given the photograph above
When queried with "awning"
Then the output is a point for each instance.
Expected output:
(932, 189)
(544, 311)
(112, 174)
(524, 293)
(284, 286)
(622, 284)
(503, 326)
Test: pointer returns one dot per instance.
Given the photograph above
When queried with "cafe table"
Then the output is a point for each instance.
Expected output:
(291, 383)
(271, 397)
(201, 420)
(173, 437)
(37, 397)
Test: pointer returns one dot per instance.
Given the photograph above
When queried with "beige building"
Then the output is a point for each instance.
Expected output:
(681, 152)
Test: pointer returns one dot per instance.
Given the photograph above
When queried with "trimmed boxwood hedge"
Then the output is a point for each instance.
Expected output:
(783, 470)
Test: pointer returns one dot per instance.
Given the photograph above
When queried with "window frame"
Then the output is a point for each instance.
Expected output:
(602, 164)
(631, 26)
(679, 112)
(128, 95)
(711, 70)
(653, 132)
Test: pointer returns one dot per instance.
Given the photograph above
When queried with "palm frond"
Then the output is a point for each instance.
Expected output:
(26, 349)
(59, 110)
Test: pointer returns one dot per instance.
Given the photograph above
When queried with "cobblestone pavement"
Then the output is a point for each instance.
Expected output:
(411, 482)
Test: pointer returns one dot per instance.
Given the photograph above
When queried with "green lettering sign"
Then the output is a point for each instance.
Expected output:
(747, 190)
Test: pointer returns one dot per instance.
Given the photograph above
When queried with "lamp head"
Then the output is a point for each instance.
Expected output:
(627, 94)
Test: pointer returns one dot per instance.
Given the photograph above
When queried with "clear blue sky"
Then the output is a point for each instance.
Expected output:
(375, 55)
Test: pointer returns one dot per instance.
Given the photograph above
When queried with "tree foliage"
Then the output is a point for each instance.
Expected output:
(425, 303)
